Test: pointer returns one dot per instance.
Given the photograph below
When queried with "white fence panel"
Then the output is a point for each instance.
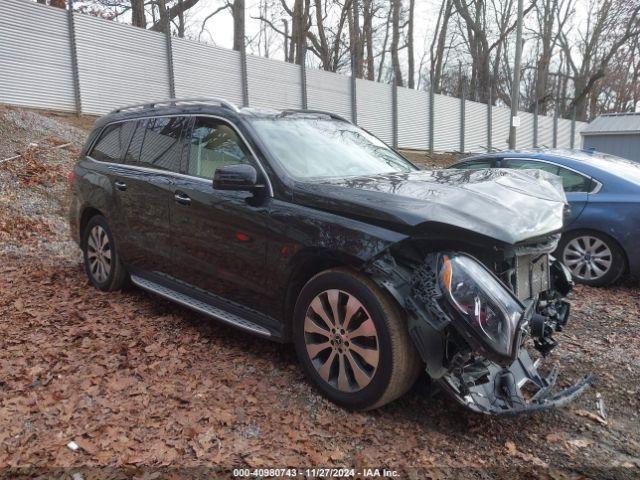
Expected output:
(446, 132)
(524, 133)
(119, 64)
(580, 126)
(374, 108)
(413, 119)
(273, 84)
(35, 56)
(329, 91)
(205, 70)
(545, 131)
(475, 127)
(500, 122)
(564, 133)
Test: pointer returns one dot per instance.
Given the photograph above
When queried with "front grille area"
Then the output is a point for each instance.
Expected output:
(532, 275)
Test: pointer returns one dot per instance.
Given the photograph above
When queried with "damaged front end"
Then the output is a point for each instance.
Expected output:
(472, 324)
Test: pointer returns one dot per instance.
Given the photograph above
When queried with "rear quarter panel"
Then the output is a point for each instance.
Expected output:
(93, 188)
(617, 215)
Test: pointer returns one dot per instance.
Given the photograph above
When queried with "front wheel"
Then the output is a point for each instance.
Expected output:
(593, 258)
(352, 340)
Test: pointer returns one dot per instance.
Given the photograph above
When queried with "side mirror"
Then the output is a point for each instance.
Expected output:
(239, 177)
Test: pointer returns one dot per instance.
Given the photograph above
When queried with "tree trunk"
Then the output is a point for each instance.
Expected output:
(181, 20)
(356, 45)
(237, 10)
(367, 33)
(138, 18)
(439, 42)
(384, 45)
(411, 62)
(164, 16)
(395, 41)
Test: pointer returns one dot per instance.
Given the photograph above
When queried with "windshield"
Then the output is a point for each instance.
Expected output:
(313, 148)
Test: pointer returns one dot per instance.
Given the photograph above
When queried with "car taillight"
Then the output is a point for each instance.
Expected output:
(71, 176)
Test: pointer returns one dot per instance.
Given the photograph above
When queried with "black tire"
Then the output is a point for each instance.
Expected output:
(116, 277)
(612, 258)
(398, 364)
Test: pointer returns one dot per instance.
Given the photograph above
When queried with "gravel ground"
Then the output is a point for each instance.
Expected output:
(144, 387)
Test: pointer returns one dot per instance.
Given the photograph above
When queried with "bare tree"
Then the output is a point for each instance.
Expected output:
(439, 43)
(410, 53)
(612, 23)
(327, 42)
(395, 40)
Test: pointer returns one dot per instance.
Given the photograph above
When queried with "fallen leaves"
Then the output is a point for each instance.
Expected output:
(591, 416)
(527, 457)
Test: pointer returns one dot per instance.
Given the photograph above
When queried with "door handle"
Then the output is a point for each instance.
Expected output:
(120, 185)
(182, 198)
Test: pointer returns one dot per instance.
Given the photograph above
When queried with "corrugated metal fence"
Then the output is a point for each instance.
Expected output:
(51, 58)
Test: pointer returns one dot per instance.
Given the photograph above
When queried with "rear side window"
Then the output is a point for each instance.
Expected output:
(113, 142)
(162, 143)
(571, 181)
(574, 182)
(213, 144)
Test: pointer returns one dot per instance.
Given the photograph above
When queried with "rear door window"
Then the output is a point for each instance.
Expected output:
(132, 156)
(162, 143)
(113, 142)
(212, 144)
(571, 181)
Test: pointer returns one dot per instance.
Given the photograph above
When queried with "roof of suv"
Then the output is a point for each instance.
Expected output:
(199, 106)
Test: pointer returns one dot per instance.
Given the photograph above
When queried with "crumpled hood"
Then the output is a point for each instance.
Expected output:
(508, 205)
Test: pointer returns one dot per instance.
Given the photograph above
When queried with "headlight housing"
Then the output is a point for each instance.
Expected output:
(490, 312)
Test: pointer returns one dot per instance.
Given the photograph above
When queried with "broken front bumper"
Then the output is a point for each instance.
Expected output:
(501, 391)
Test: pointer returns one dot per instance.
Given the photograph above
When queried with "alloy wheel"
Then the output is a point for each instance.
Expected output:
(588, 257)
(341, 340)
(99, 254)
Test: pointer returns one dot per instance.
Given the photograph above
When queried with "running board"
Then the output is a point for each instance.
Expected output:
(197, 305)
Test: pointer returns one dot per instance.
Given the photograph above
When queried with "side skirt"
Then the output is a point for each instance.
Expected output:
(201, 307)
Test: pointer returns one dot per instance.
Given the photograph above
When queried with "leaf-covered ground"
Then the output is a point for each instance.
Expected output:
(142, 386)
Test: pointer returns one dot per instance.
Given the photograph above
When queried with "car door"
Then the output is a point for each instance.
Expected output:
(576, 185)
(145, 185)
(219, 236)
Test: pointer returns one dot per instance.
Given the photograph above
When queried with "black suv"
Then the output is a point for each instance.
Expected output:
(299, 226)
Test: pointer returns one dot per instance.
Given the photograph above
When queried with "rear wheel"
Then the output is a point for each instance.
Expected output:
(352, 340)
(594, 258)
(101, 260)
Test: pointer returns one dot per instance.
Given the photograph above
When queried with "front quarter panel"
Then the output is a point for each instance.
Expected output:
(297, 233)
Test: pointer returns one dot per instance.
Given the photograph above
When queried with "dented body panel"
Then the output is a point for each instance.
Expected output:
(509, 206)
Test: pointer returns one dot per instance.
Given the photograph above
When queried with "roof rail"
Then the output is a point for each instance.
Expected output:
(295, 111)
(177, 101)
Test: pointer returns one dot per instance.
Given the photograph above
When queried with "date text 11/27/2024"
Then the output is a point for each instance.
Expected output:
(315, 472)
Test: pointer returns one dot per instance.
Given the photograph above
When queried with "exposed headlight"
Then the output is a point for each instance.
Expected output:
(484, 303)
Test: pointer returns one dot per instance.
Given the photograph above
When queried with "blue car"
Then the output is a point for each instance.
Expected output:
(601, 237)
